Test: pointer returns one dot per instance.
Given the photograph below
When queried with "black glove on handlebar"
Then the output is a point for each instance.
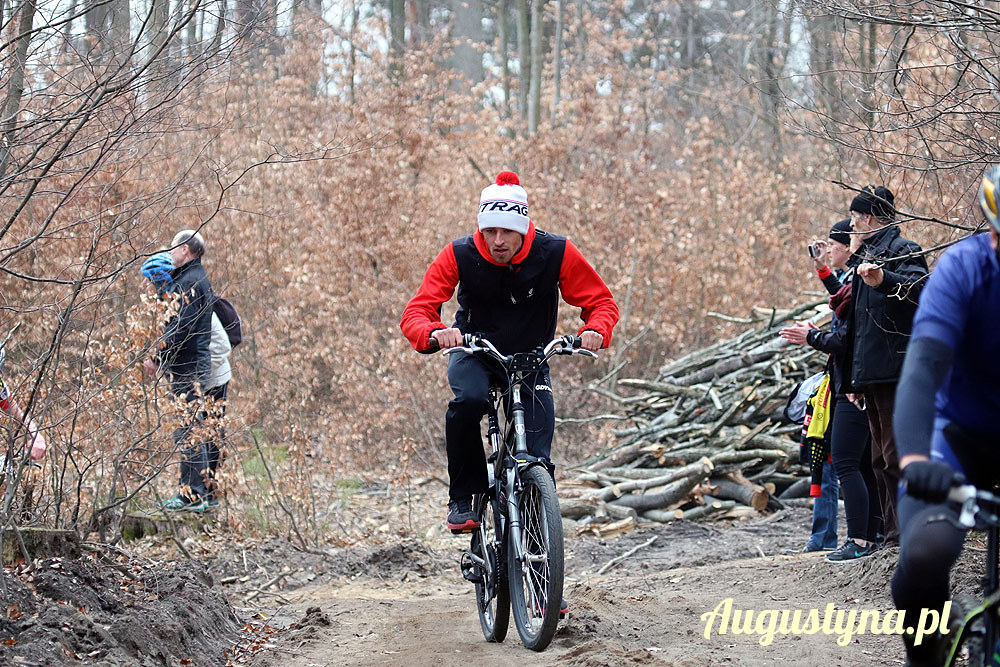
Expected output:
(929, 480)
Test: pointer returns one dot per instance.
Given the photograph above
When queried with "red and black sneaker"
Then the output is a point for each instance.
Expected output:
(563, 609)
(461, 518)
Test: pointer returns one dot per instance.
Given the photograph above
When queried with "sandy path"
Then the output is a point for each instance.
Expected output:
(646, 612)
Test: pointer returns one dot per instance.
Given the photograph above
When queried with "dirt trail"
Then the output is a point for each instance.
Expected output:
(645, 611)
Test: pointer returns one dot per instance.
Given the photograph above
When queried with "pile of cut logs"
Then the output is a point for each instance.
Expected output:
(706, 437)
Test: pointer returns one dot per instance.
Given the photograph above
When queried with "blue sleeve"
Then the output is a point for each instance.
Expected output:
(944, 303)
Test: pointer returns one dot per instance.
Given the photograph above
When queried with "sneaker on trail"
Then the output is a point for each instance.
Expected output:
(461, 518)
(849, 552)
(199, 507)
(175, 504)
(563, 608)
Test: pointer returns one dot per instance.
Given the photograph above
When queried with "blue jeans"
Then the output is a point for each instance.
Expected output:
(824, 526)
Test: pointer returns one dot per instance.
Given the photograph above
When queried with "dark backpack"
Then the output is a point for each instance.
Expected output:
(230, 319)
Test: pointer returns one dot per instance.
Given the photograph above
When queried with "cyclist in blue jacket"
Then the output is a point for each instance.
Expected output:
(946, 413)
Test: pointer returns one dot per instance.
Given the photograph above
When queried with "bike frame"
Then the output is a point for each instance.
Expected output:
(969, 498)
(509, 463)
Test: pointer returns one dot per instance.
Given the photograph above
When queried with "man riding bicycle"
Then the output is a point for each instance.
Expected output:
(946, 413)
(509, 275)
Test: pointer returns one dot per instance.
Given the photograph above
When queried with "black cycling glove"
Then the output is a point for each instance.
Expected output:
(929, 480)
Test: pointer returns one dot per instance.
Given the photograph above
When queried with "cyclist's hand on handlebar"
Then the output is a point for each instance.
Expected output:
(928, 480)
(447, 337)
(591, 340)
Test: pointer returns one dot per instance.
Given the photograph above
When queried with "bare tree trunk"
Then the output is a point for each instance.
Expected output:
(769, 53)
(15, 89)
(121, 37)
(503, 32)
(870, 77)
(67, 29)
(96, 20)
(523, 57)
(468, 28)
(353, 54)
(190, 36)
(220, 29)
(158, 27)
(397, 36)
(557, 58)
(535, 86)
(822, 63)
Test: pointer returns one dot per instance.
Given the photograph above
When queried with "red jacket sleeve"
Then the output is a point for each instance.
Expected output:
(581, 286)
(422, 314)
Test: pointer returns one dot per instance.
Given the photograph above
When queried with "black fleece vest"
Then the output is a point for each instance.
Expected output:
(513, 306)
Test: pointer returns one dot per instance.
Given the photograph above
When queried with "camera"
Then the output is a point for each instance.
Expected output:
(814, 250)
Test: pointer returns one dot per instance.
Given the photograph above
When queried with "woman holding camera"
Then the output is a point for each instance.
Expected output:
(850, 441)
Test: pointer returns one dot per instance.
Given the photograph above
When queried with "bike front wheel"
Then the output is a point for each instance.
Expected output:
(492, 592)
(535, 568)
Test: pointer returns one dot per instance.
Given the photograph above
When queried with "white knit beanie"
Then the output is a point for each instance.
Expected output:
(504, 204)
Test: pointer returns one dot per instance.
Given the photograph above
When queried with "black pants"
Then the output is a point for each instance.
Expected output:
(215, 445)
(469, 377)
(930, 542)
(199, 458)
(194, 454)
(850, 445)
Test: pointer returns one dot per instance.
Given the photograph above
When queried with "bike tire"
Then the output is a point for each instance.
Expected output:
(536, 589)
(492, 591)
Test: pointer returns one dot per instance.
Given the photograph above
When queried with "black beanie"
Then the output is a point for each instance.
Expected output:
(841, 231)
(875, 200)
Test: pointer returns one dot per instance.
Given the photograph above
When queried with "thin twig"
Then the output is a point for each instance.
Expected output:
(618, 559)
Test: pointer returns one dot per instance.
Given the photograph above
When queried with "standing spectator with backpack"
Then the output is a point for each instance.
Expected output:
(850, 438)
(225, 335)
(185, 357)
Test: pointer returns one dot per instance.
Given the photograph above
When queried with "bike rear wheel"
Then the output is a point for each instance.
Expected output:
(492, 591)
(536, 579)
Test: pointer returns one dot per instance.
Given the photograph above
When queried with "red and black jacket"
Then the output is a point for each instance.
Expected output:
(513, 305)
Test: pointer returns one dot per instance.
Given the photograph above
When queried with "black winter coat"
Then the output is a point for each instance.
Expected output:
(188, 336)
(883, 316)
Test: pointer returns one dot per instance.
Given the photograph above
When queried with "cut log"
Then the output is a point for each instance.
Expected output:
(755, 497)
(610, 493)
(670, 493)
(619, 456)
(799, 489)
(703, 511)
(662, 387)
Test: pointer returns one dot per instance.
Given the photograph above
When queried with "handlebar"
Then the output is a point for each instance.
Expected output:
(560, 345)
(975, 503)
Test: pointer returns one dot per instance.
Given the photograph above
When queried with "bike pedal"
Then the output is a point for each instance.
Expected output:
(470, 571)
(463, 531)
(471, 575)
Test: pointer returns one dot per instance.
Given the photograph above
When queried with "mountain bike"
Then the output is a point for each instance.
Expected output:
(515, 557)
(978, 627)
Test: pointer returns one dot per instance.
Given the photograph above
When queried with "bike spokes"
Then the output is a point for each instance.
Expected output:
(489, 574)
(536, 561)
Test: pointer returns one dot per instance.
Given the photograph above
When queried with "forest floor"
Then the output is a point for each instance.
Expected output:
(399, 599)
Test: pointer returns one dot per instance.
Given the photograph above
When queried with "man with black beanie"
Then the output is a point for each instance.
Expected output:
(884, 301)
